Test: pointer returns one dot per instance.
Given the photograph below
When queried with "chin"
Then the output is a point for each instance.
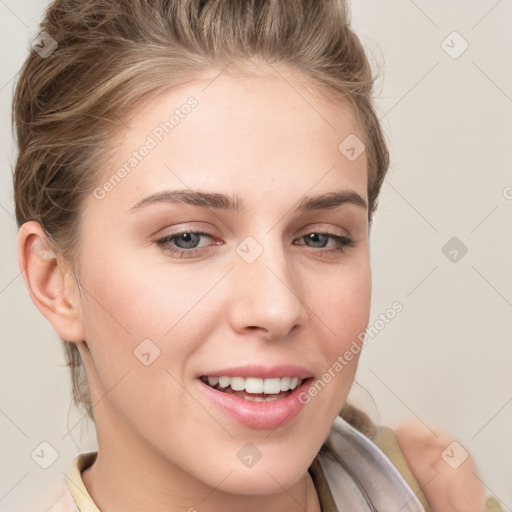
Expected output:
(249, 482)
(265, 477)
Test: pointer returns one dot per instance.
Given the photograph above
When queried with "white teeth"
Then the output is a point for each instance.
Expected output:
(256, 385)
(272, 386)
(213, 381)
(237, 383)
(224, 382)
(253, 385)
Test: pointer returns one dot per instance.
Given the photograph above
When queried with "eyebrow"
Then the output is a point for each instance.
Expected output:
(329, 200)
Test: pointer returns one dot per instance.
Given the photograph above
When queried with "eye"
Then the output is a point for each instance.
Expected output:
(185, 240)
(321, 239)
(185, 243)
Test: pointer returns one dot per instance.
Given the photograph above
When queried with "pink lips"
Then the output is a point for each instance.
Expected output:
(259, 415)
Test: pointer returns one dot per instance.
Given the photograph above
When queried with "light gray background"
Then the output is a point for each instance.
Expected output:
(446, 357)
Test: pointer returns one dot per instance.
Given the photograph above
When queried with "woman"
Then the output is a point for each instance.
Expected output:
(195, 186)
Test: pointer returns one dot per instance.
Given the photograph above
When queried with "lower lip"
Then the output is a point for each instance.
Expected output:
(259, 415)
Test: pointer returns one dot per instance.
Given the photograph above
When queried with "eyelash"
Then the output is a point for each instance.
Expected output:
(343, 241)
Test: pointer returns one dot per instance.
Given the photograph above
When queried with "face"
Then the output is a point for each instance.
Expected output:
(175, 292)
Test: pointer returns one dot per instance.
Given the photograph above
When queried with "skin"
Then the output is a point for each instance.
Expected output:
(454, 488)
(162, 444)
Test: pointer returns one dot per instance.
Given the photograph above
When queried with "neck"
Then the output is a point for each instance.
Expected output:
(140, 478)
(114, 490)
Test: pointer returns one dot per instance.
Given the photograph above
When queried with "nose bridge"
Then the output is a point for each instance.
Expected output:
(267, 290)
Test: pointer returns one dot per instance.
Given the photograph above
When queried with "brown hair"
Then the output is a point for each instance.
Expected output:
(103, 58)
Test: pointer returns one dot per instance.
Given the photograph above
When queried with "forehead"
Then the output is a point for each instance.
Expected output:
(255, 134)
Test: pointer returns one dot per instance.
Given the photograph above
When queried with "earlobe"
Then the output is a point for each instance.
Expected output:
(52, 288)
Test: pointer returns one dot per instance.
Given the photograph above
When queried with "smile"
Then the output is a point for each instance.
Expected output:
(254, 388)
(256, 402)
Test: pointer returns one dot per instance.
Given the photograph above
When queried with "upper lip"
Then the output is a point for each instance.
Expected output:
(264, 372)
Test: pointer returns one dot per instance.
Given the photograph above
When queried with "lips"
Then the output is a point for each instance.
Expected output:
(258, 397)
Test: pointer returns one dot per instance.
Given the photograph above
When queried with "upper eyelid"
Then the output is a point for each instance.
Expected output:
(204, 232)
(311, 227)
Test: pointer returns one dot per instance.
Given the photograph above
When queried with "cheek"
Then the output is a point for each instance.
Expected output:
(340, 317)
(136, 301)
(343, 307)
(146, 320)
(140, 333)
(343, 303)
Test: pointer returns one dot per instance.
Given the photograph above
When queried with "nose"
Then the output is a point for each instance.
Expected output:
(267, 296)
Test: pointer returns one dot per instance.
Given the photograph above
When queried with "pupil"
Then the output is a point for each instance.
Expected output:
(314, 237)
(188, 238)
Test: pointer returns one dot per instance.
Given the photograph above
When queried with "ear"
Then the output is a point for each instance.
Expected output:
(51, 286)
